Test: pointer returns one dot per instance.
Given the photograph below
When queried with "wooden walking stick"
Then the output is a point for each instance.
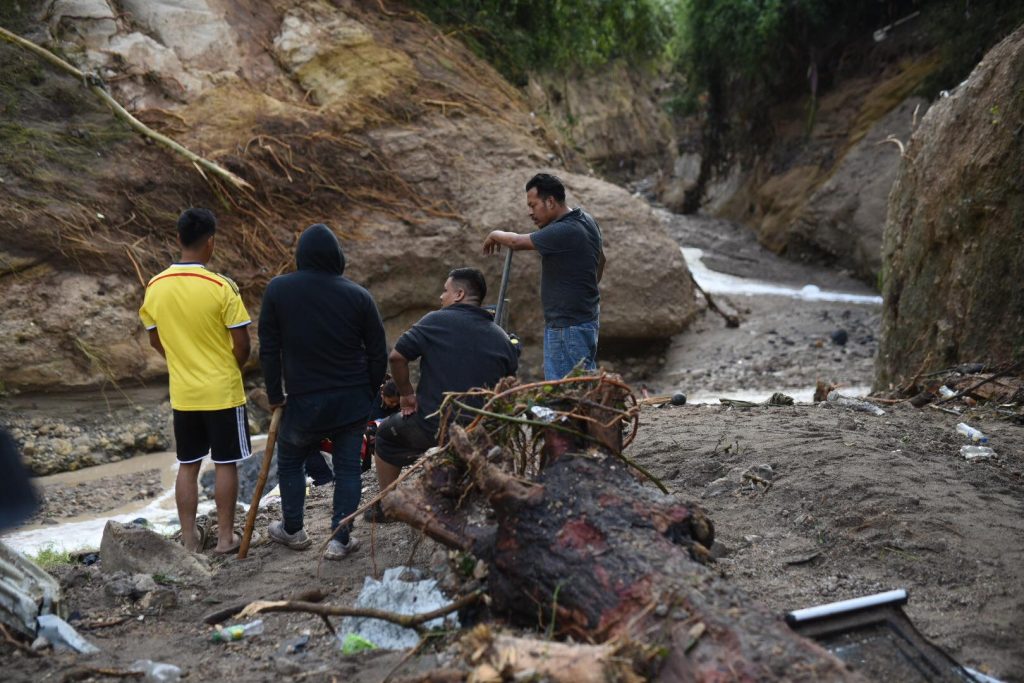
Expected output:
(268, 454)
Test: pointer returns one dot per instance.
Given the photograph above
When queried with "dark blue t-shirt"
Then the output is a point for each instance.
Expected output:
(570, 250)
(460, 348)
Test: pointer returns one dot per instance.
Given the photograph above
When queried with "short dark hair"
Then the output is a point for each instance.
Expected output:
(547, 186)
(195, 225)
(471, 280)
(389, 388)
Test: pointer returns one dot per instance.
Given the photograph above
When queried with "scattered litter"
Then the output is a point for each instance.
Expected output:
(237, 632)
(393, 594)
(971, 433)
(544, 414)
(353, 643)
(972, 453)
(63, 636)
(26, 591)
(776, 399)
(946, 392)
(854, 403)
(299, 644)
(157, 672)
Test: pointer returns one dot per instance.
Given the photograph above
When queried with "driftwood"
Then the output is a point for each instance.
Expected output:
(731, 320)
(578, 546)
(963, 392)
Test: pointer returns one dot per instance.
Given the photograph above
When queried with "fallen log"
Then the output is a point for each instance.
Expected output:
(583, 549)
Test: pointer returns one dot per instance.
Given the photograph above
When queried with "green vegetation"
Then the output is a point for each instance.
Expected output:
(520, 36)
(733, 59)
(49, 558)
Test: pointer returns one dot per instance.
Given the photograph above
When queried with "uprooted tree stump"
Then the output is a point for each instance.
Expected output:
(576, 544)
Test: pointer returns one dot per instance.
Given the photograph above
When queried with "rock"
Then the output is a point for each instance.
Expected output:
(763, 471)
(839, 337)
(718, 487)
(159, 599)
(954, 239)
(248, 474)
(611, 115)
(135, 549)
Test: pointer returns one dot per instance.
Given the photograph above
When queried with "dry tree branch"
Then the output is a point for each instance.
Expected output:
(96, 85)
(414, 621)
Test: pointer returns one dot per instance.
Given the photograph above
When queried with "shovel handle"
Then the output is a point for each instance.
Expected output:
(268, 455)
(499, 309)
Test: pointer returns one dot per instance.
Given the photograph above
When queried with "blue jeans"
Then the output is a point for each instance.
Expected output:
(564, 347)
(339, 415)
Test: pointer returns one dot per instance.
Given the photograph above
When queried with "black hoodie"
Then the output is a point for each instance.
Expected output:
(324, 328)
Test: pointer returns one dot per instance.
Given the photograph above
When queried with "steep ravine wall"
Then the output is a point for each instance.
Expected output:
(954, 239)
(377, 124)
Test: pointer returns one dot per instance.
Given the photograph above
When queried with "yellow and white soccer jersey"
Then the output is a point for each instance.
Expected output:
(192, 310)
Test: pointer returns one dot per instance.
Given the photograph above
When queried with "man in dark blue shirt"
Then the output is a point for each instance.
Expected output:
(324, 334)
(572, 261)
(459, 347)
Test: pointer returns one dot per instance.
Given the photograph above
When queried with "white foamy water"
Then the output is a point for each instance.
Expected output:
(86, 531)
(714, 282)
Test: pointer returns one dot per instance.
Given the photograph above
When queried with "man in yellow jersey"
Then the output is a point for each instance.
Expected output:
(197, 321)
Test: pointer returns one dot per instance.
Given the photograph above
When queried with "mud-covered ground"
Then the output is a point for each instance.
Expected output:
(857, 504)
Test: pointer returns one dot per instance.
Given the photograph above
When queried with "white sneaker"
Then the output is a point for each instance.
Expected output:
(336, 550)
(300, 540)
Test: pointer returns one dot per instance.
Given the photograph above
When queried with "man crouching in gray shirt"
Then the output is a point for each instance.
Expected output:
(459, 347)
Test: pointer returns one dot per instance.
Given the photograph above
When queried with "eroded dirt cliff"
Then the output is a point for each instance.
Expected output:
(366, 118)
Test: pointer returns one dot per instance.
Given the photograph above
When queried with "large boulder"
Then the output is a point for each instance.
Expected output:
(394, 135)
(954, 239)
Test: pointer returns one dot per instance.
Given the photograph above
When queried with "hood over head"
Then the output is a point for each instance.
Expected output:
(319, 249)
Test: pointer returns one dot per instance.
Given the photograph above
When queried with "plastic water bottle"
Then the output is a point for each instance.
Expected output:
(238, 631)
(971, 433)
(972, 453)
(157, 672)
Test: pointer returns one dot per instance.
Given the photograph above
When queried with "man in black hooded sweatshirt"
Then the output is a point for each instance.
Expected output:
(327, 332)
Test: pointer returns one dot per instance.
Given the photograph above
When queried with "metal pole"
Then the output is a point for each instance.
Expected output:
(499, 309)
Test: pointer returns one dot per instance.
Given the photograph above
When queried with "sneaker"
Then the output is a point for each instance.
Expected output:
(336, 550)
(376, 515)
(297, 541)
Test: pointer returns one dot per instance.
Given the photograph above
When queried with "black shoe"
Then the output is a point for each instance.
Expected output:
(376, 515)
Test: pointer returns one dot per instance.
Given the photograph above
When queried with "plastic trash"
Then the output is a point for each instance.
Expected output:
(854, 403)
(972, 453)
(299, 644)
(971, 433)
(946, 392)
(402, 591)
(237, 632)
(157, 672)
(543, 413)
(352, 643)
(63, 636)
